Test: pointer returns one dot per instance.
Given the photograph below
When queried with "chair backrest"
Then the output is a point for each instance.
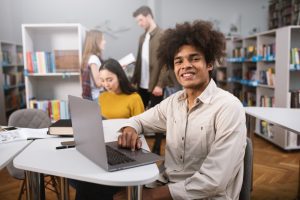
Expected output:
(29, 118)
(26, 118)
(245, 193)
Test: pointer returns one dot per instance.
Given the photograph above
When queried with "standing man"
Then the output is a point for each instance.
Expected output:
(205, 125)
(148, 74)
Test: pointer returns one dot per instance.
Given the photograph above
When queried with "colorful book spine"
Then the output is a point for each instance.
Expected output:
(56, 109)
(29, 62)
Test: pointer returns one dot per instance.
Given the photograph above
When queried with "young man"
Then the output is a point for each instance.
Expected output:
(148, 74)
(205, 125)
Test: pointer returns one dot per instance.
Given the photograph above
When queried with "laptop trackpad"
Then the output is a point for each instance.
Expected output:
(128, 152)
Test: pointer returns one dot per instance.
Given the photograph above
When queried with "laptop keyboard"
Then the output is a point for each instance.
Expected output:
(115, 157)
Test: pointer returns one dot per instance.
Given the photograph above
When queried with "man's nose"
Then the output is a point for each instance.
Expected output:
(186, 63)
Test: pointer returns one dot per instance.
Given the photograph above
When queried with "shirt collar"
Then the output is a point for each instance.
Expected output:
(152, 32)
(205, 96)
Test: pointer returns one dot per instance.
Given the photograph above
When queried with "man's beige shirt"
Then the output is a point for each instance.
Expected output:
(205, 146)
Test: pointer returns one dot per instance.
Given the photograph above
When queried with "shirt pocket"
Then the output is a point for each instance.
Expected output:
(200, 141)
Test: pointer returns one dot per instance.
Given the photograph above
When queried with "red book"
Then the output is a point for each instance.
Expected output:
(29, 62)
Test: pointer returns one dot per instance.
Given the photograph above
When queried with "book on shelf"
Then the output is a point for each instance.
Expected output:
(62, 127)
(56, 109)
(267, 77)
(66, 60)
(40, 62)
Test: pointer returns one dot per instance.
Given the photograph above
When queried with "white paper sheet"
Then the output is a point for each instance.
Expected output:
(24, 134)
(126, 60)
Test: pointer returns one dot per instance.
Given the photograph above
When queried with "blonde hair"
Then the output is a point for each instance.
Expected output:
(91, 46)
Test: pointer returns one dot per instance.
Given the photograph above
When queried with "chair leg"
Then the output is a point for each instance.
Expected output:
(56, 186)
(157, 143)
(53, 185)
(22, 189)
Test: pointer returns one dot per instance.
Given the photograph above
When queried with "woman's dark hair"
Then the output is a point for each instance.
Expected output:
(199, 34)
(114, 66)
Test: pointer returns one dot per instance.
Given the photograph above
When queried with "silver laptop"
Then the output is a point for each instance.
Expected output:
(89, 139)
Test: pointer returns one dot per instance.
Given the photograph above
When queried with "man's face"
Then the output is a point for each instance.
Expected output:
(143, 21)
(191, 69)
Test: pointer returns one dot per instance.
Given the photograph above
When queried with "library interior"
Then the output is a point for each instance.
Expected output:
(153, 68)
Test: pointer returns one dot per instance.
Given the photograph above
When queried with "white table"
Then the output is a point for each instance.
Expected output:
(287, 118)
(42, 157)
(9, 150)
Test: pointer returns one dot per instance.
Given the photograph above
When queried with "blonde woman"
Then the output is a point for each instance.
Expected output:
(91, 61)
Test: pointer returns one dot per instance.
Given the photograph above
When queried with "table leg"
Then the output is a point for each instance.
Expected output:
(64, 189)
(135, 192)
(35, 186)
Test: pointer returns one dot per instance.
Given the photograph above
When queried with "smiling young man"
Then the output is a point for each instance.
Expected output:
(205, 125)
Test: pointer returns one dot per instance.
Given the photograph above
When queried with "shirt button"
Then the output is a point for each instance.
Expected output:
(182, 138)
(180, 157)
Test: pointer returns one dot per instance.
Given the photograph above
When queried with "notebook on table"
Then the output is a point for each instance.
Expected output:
(89, 139)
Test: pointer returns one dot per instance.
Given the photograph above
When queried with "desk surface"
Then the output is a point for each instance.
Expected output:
(287, 118)
(9, 150)
(41, 156)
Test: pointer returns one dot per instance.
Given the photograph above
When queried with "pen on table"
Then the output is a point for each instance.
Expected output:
(33, 138)
(65, 147)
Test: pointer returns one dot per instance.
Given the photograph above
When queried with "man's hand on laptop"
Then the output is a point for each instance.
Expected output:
(129, 139)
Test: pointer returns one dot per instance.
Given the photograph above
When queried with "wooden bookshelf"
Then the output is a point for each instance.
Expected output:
(12, 87)
(283, 13)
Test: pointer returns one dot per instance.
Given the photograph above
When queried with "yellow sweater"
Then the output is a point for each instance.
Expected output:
(120, 105)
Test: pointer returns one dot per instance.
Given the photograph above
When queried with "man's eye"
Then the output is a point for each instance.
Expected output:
(177, 62)
(196, 58)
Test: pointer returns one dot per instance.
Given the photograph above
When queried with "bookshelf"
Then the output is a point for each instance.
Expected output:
(52, 65)
(283, 13)
(12, 90)
(263, 70)
(223, 76)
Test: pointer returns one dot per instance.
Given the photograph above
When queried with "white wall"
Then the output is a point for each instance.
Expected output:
(252, 13)
(6, 21)
(117, 14)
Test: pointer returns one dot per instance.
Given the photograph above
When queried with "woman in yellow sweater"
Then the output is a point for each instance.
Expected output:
(120, 100)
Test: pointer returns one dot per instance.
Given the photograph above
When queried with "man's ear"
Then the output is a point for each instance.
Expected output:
(210, 66)
(149, 16)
